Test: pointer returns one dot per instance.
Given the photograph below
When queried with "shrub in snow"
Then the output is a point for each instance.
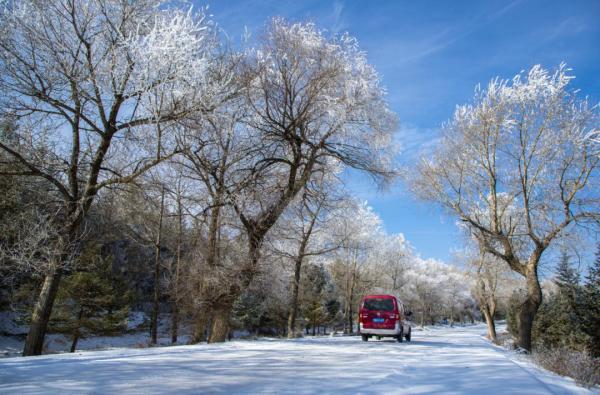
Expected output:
(579, 365)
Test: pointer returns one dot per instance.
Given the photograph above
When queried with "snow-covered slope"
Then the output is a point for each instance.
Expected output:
(448, 360)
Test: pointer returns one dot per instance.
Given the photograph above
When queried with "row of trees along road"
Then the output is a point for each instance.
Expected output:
(103, 92)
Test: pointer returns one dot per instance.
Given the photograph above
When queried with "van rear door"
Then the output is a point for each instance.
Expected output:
(379, 313)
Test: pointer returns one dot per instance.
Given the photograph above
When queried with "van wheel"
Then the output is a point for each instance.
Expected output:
(365, 338)
(408, 335)
(399, 338)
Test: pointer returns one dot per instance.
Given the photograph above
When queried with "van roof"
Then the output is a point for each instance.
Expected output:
(380, 297)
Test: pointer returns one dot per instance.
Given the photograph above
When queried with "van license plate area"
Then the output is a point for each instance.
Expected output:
(378, 320)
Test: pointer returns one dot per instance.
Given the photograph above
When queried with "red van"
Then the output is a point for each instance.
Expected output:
(383, 316)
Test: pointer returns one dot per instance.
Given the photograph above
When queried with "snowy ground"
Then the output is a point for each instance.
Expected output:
(447, 360)
(13, 333)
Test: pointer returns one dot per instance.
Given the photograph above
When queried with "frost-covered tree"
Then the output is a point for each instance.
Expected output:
(298, 237)
(489, 275)
(356, 229)
(515, 166)
(315, 103)
(434, 290)
(214, 150)
(393, 257)
(94, 86)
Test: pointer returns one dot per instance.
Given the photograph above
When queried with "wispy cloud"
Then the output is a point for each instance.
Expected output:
(415, 142)
(338, 23)
(451, 34)
(569, 26)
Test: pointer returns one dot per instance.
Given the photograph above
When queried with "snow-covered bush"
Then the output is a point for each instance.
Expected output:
(579, 365)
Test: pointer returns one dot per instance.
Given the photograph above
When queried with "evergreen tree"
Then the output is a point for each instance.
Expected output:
(558, 321)
(567, 277)
(589, 307)
(90, 303)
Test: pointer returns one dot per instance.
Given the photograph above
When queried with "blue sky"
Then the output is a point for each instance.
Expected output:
(431, 54)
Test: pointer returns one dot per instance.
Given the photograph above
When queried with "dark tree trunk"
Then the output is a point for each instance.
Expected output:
(212, 257)
(221, 311)
(529, 308)
(76, 332)
(199, 335)
(75, 340)
(351, 300)
(174, 323)
(34, 343)
(350, 316)
(156, 304)
(291, 327)
(175, 312)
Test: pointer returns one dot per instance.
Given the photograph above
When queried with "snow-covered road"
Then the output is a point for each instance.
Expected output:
(448, 360)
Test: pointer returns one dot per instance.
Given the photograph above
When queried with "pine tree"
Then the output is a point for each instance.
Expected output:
(589, 307)
(567, 277)
(558, 321)
(90, 303)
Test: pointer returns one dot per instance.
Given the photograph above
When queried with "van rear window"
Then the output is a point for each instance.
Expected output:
(379, 304)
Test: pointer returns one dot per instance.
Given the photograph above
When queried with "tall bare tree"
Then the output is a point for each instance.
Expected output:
(214, 149)
(315, 103)
(94, 86)
(485, 289)
(157, 266)
(516, 167)
(356, 229)
(300, 237)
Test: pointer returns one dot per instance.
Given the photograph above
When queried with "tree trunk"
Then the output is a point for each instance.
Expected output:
(351, 300)
(200, 327)
(294, 307)
(175, 311)
(211, 257)
(487, 305)
(219, 331)
(76, 333)
(529, 308)
(75, 340)
(221, 311)
(350, 314)
(489, 320)
(174, 323)
(156, 306)
(41, 313)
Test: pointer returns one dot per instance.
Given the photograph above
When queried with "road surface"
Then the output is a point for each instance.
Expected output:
(441, 361)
